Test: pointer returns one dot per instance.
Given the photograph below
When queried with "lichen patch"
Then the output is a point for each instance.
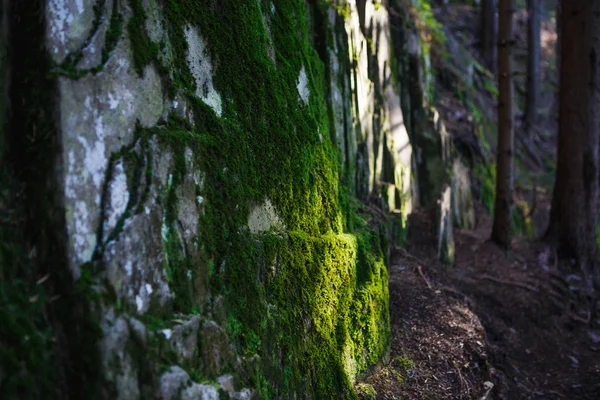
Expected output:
(264, 218)
(302, 86)
(202, 70)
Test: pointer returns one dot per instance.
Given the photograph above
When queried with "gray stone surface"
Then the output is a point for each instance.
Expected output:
(98, 117)
(135, 262)
(463, 212)
(69, 24)
(175, 384)
(184, 339)
(216, 349)
(445, 231)
(118, 366)
(92, 52)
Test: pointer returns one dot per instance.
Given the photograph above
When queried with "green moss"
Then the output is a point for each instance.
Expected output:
(344, 9)
(113, 33)
(486, 179)
(404, 363)
(145, 50)
(312, 303)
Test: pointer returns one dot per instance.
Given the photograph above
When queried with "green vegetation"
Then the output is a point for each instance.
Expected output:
(404, 363)
(428, 24)
(522, 222)
(27, 345)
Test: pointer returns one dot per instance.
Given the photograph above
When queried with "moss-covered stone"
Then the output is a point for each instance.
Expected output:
(211, 156)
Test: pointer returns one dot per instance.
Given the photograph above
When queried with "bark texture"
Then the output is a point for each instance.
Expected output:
(501, 232)
(574, 212)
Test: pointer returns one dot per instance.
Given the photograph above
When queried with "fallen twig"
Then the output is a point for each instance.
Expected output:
(453, 292)
(425, 279)
(464, 385)
(510, 283)
(575, 317)
(547, 392)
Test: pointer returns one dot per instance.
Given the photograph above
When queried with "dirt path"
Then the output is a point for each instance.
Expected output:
(491, 327)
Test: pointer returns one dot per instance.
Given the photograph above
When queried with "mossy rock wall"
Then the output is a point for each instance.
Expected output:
(209, 162)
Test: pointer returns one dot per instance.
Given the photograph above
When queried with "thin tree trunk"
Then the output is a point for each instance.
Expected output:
(501, 231)
(559, 35)
(534, 26)
(574, 213)
(489, 33)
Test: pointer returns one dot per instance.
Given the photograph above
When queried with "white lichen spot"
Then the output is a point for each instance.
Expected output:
(149, 288)
(139, 302)
(83, 238)
(167, 333)
(164, 230)
(189, 154)
(201, 69)
(95, 160)
(272, 8)
(129, 267)
(302, 85)
(60, 17)
(113, 101)
(119, 197)
(264, 218)
(200, 200)
(71, 179)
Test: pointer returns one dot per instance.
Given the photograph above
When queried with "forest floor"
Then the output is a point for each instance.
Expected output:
(494, 326)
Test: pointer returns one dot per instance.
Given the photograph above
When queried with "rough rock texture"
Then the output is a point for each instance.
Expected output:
(208, 159)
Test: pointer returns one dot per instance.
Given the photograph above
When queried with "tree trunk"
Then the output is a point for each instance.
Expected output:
(489, 29)
(574, 214)
(534, 26)
(501, 232)
(558, 17)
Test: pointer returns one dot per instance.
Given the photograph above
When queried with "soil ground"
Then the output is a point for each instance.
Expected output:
(494, 326)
